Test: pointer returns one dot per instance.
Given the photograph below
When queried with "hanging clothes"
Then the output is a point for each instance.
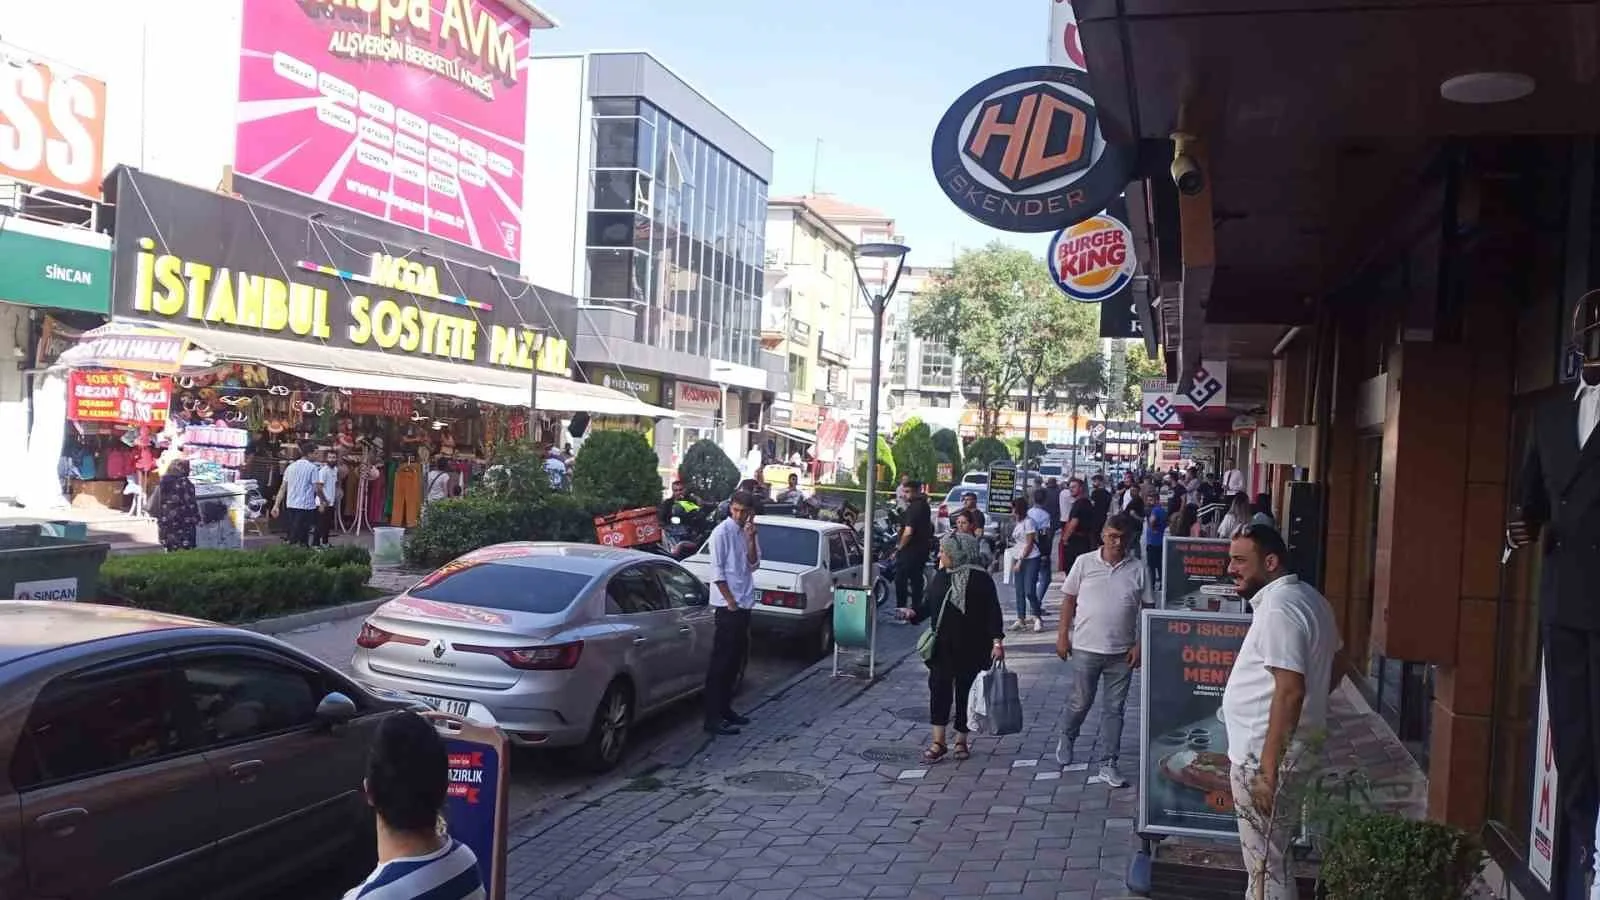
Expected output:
(407, 496)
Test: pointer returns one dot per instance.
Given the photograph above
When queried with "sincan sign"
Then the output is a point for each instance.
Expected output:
(1023, 151)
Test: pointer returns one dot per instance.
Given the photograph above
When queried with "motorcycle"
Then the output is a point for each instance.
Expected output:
(684, 533)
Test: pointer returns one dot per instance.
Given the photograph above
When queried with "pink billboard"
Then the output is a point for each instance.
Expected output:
(409, 110)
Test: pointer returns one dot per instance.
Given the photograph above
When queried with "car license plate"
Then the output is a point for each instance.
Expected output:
(445, 704)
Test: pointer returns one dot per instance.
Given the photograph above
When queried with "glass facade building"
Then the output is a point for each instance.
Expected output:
(676, 233)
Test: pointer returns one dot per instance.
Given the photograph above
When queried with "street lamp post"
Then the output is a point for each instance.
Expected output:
(1032, 373)
(877, 304)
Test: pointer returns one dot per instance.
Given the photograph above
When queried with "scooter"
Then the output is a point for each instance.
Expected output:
(685, 533)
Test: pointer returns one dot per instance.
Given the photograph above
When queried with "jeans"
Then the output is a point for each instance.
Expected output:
(1045, 543)
(1087, 671)
(1152, 558)
(1025, 581)
(949, 687)
(1257, 846)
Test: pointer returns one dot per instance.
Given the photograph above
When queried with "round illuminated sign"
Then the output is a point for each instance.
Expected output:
(1092, 260)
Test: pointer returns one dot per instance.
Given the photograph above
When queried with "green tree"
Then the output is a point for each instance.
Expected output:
(1140, 367)
(886, 474)
(986, 450)
(707, 472)
(618, 465)
(948, 443)
(1080, 388)
(913, 451)
(1000, 312)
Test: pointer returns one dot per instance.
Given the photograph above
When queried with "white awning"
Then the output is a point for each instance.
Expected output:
(793, 434)
(342, 367)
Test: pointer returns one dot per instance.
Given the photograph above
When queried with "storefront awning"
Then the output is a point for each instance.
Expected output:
(793, 434)
(342, 367)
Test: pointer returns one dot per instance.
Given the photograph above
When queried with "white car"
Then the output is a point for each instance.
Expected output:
(802, 561)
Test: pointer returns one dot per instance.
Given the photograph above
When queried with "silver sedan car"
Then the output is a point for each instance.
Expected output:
(561, 645)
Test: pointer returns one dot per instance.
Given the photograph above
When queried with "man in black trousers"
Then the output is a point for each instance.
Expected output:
(734, 557)
(916, 543)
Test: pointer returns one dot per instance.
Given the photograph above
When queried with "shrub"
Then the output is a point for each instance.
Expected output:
(984, 451)
(238, 585)
(1377, 856)
(707, 472)
(515, 473)
(460, 525)
(948, 443)
(620, 465)
(913, 451)
(886, 466)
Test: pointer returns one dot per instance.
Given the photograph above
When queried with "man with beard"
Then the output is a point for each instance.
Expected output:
(1276, 698)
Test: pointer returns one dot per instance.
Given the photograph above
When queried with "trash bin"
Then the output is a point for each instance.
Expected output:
(388, 547)
(222, 515)
(35, 566)
(853, 614)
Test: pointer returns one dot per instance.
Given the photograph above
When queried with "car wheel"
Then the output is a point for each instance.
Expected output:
(824, 640)
(608, 733)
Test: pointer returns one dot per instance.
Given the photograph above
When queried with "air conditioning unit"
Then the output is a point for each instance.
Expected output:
(1286, 446)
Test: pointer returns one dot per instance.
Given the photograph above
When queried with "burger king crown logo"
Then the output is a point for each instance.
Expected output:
(1093, 260)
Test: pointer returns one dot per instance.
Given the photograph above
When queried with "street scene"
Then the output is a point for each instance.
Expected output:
(1060, 449)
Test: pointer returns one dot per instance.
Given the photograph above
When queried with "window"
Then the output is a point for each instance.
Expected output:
(86, 724)
(781, 544)
(611, 275)
(838, 557)
(938, 366)
(612, 229)
(616, 143)
(852, 548)
(615, 106)
(634, 590)
(682, 588)
(515, 588)
(239, 697)
(613, 189)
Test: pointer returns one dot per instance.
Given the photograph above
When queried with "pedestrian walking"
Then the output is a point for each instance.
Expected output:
(916, 543)
(1098, 639)
(1044, 522)
(735, 553)
(1155, 530)
(1025, 553)
(1276, 698)
(964, 608)
(1077, 522)
(328, 479)
(1100, 499)
(177, 510)
(408, 775)
(300, 497)
(1237, 516)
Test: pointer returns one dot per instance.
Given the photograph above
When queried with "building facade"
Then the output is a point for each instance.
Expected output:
(653, 207)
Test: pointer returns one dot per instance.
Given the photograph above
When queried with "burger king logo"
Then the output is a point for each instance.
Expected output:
(1093, 259)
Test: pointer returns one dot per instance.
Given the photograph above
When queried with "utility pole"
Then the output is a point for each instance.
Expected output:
(816, 163)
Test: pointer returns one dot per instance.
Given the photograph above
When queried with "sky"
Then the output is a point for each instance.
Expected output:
(868, 78)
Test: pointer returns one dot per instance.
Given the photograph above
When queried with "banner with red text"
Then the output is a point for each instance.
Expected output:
(1194, 575)
(117, 398)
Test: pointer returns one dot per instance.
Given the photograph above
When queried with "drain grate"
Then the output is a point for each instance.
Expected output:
(768, 782)
(891, 753)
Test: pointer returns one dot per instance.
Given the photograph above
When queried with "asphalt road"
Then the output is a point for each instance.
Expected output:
(540, 779)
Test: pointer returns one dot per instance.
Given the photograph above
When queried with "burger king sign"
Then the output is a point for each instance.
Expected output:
(1093, 259)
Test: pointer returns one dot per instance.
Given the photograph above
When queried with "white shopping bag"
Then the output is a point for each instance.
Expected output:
(978, 704)
(1005, 566)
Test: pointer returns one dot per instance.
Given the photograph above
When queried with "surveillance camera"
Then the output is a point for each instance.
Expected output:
(1186, 172)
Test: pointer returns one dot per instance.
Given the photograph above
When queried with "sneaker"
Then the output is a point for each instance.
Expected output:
(1063, 752)
(1035, 624)
(1018, 625)
(1109, 775)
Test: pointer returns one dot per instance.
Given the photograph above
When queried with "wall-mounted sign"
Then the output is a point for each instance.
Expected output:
(201, 258)
(1161, 406)
(805, 417)
(1023, 151)
(1066, 45)
(117, 397)
(53, 270)
(52, 124)
(120, 345)
(1094, 259)
(381, 403)
(691, 397)
(635, 384)
(799, 332)
(413, 112)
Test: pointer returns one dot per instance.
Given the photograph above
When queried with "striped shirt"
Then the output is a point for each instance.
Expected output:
(449, 873)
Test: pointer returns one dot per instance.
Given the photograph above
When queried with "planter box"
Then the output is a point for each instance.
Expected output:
(1211, 872)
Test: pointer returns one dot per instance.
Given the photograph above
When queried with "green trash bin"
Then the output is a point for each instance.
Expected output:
(852, 617)
(36, 566)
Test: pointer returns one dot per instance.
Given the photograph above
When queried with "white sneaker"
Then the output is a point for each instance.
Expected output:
(1035, 625)
(1063, 752)
(1018, 625)
(1109, 776)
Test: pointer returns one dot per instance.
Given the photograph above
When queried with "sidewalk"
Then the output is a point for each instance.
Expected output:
(824, 796)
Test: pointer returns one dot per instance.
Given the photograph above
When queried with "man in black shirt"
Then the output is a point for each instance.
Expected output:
(1100, 498)
(1078, 526)
(916, 542)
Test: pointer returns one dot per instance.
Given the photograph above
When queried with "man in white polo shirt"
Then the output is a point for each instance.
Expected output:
(1098, 636)
(1276, 698)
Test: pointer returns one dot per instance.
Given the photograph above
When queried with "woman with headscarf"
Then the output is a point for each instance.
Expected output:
(177, 510)
(969, 635)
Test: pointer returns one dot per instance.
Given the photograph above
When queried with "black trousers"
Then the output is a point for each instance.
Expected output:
(1572, 671)
(909, 578)
(728, 649)
(324, 526)
(302, 522)
(949, 686)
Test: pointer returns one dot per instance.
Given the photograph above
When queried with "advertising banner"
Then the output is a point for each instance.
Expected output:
(119, 345)
(117, 398)
(1002, 488)
(1066, 47)
(52, 124)
(381, 403)
(628, 528)
(1194, 575)
(1544, 809)
(1162, 406)
(413, 112)
(202, 259)
(477, 799)
(1183, 759)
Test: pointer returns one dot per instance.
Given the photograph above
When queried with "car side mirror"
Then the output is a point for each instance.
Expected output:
(335, 709)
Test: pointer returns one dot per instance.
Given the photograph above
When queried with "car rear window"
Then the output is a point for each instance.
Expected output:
(797, 546)
(960, 494)
(500, 586)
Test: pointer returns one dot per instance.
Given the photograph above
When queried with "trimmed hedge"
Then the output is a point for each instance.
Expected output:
(238, 585)
(460, 525)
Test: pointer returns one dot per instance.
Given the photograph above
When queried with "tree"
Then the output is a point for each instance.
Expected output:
(1081, 387)
(886, 472)
(913, 451)
(948, 443)
(619, 465)
(1140, 367)
(707, 472)
(1000, 313)
(986, 450)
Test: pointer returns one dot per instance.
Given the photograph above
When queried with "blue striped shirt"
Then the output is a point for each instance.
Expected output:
(449, 873)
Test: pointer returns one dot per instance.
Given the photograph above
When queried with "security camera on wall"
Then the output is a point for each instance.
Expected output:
(1186, 173)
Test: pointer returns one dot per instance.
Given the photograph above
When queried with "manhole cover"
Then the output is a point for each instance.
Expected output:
(773, 782)
(892, 754)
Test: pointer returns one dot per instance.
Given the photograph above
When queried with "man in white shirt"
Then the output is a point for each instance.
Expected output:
(1276, 699)
(301, 494)
(1232, 482)
(734, 557)
(1098, 637)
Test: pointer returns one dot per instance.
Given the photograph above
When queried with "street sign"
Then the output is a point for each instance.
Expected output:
(1194, 575)
(1002, 487)
(477, 802)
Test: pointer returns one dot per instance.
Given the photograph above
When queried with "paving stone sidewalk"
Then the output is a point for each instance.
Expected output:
(824, 796)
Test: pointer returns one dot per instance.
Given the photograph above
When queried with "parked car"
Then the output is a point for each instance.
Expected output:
(562, 645)
(952, 502)
(145, 755)
(976, 477)
(802, 561)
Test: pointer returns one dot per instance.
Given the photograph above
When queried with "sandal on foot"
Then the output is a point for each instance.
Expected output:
(962, 752)
(935, 752)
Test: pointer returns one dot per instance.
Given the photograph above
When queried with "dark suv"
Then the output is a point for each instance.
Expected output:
(151, 756)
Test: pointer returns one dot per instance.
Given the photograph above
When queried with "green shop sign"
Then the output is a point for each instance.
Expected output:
(45, 271)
